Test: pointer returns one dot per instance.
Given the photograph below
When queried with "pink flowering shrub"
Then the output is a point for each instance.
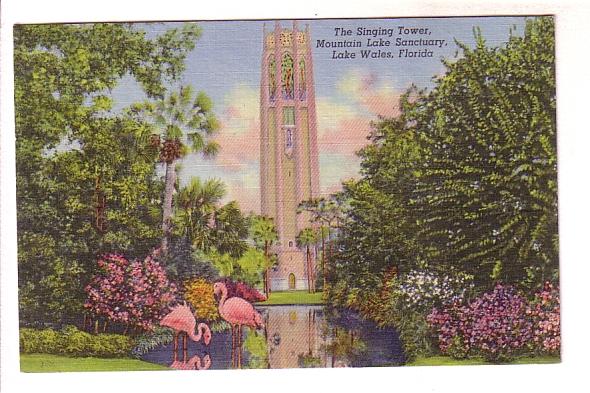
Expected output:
(494, 325)
(243, 290)
(135, 294)
(544, 311)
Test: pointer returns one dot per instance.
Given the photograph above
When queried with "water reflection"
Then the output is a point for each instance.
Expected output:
(296, 337)
(294, 331)
(310, 336)
(194, 363)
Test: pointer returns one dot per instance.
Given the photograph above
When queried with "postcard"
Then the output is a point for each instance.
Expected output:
(318, 193)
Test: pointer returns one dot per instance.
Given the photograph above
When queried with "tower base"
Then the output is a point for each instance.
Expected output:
(290, 273)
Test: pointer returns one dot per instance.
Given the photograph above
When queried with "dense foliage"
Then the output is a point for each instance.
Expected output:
(487, 194)
(72, 342)
(179, 122)
(462, 184)
(85, 177)
(184, 262)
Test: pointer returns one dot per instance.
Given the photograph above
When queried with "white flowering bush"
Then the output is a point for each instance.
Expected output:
(422, 290)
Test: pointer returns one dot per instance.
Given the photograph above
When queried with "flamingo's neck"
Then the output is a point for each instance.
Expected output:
(196, 337)
(201, 328)
(223, 295)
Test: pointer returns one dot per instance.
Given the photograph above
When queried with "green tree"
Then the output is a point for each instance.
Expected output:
(85, 181)
(487, 198)
(378, 232)
(181, 121)
(230, 230)
(251, 266)
(306, 239)
(264, 234)
(326, 214)
(184, 263)
(224, 263)
(195, 207)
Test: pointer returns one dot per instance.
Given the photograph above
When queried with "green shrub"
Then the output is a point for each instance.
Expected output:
(112, 345)
(73, 342)
(38, 341)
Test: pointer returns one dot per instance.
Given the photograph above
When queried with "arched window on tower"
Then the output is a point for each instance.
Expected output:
(287, 76)
(272, 78)
(288, 125)
(302, 82)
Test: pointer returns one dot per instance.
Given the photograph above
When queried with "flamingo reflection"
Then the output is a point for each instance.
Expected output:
(194, 363)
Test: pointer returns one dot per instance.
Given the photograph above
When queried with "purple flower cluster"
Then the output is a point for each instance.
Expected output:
(494, 324)
(134, 293)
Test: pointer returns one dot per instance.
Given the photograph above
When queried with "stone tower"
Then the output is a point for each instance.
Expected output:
(288, 146)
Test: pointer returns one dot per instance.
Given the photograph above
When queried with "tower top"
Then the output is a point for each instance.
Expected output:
(285, 36)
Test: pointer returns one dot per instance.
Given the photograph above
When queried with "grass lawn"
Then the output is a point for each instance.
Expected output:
(293, 297)
(447, 361)
(42, 363)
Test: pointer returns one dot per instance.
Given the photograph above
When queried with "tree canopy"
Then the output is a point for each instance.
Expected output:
(466, 177)
(86, 177)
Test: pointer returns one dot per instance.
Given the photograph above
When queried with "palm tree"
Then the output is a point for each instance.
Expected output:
(196, 203)
(182, 122)
(264, 233)
(230, 230)
(307, 238)
(326, 213)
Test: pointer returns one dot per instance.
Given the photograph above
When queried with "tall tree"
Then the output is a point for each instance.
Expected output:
(306, 239)
(85, 179)
(196, 204)
(488, 197)
(230, 230)
(264, 234)
(182, 121)
(326, 215)
(378, 232)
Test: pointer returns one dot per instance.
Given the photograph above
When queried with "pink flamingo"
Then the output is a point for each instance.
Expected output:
(237, 312)
(182, 320)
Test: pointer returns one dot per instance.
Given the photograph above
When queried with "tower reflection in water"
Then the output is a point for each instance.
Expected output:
(299, 336)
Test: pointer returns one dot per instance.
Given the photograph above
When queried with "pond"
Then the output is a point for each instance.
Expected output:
(295, 336)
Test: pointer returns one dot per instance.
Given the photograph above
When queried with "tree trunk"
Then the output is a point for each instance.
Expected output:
(309, 272)
(170, 180)
(323, 260)
(100, 206)
(266, 272)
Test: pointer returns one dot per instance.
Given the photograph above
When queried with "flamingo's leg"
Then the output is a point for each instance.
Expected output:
(232, 347)
(176, 347)
(239, 346)
(184, 347)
